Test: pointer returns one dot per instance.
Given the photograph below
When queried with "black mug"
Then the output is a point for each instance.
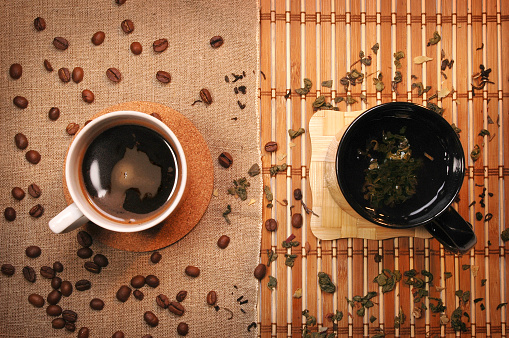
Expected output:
(439, 179)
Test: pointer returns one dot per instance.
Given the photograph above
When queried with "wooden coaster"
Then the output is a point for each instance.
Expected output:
(200, 183)
(334, 221)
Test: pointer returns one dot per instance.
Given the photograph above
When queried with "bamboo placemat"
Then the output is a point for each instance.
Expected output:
(320, 40)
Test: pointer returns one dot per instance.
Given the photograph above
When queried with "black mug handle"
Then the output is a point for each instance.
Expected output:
(450, 229)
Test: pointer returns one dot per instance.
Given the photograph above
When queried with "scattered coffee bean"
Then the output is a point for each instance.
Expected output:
(69, 316)
(271, 224)
(225, 159)
(147, 336)
(58, 323)
(21, 141)
(182, 329)
(271, 146)
(152, 281)
(64, 74)
(84, 332)
(260, 271)
(66, 287)
(29, 274)
(8, 269)
(87, 122)
(162, 301)
(72, 128)
(297, 194)
(114, 74)
(156, 257)
(138, 294)
(60, 43)
(34, 190)
(98, 38)
(54, 297)
(18, 193)
(54, 310)
(181, 295)
(101, 260)
(205, 96)
(137, 281)
(97, 304)
(118, 334)
(48, 66)
(123, 293)
(56, 283)
(36, 300)
(192, 271)
(36, 211)
(120, 2)
(84, 253)
(54, 113)
(39, 24)
(92, 267)
(71, 327)
(127, 26)
(15, 71)
(136, 48)
(87, 96)
(33, 156)
(157, 116)
(223, 241)
(160, 45)
(212, 298)
(163, 77)
(47, 272)
(10, 214)
(297, 220)
(77, 74)
(33, 251)
(216, 41)
(151, 319)
(84, 239)
(176, 308)
(82, 285)
(20, 102)
(58, 266)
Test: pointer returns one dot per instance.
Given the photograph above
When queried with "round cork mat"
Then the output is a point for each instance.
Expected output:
(200, 183)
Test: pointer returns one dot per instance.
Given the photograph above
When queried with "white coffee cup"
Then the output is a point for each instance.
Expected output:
(84, 209)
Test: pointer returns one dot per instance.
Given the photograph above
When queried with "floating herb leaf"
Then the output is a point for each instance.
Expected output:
(435, 39)
(226, 212)
(325, 283)
(272, 283)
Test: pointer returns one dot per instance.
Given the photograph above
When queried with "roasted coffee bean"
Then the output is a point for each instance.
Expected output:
(101, 260)
(98, 38)
(54, 310)
(8, 269)
(271, 146)
(137, 281)
(64, 74)
(225, 160)
(123, 293)
(58, 323)
(82, 285)
(192, 271)
(212, 298)
(39, 24)
(71, 327)
(156, 257)
(36, 300)
(77, 74)
(66, 288)
(56, 283)
(260, 271)
(152, 281)
(58, 266)
(163, 301)
(72, 128)
(20, 102)
(118, 334)
(163, 77)
(47, 272)
(54, 297)
(205, 96)
(15, 71)
(10, 214)
(96, 304)
(271, 224)
(69, 316)
(33, 156)
(157, 116)
(87, 96)
(60, 43)
(138, 294)
(176, 308)
(297, 220)
(87, 122)
(216, 41)
(84, 332)
(181, 295)
(147, 336)
(18, 193)
(34, 190)
(84, 239)
(21, 141)
(182, 329)
(151, 319)
(127, 26)
(223, 241)
(120, 2)
(114, 74)
(54, 113)
(33, 251)
(160, 45)
(48, 66)
(136, 48)
(297, 194)
(84, 253)
(92, 267)
(36, 211)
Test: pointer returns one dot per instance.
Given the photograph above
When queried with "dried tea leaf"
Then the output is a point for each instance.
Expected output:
(350, 100)
(298, 293)
(443, 93)
(421, 59)
(399, 319)
(240, 188)
(290, 260)
(338, 99)
(295, 133)
(465, 267)
(254, 170)
(444, 319)
(398, 77)
(504, 236)
(215, 193)
(435, 39)
(325, 283)
(375, 48)
(399, 55)
(268, 193)
(475, 154)
(272, 283)
(277, 168)
(327, 84)
(271, 256)
(372, 319)
(320, 101)
(435, 108)
(442, 54)
(226, 212)
(307, 83)
(499, 306)
(456, 129)
(251, 201)
(484, 132)
(475, 270)
(301, 91)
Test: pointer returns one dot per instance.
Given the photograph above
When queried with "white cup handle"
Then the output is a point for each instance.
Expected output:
(68, 219)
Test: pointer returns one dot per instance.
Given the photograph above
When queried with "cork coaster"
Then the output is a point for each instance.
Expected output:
(200, 183)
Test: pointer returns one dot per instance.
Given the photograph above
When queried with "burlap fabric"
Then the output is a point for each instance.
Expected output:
(193, 64)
